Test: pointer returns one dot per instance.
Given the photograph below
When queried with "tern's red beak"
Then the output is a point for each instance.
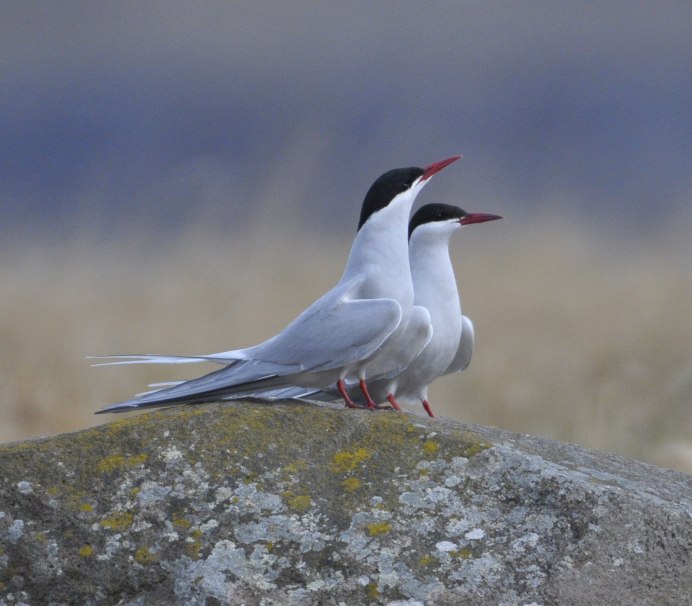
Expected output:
(478, 218)
(436, 167)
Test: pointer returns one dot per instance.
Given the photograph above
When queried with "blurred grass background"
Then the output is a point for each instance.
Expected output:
(121, 124)
(583, 331)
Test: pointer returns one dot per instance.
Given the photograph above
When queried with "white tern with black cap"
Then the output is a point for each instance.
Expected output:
(435, 288)
(353, 331)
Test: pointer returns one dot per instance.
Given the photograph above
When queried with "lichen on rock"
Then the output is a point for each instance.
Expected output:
(298, 504)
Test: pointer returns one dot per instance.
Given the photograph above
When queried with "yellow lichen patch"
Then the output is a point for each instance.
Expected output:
(143, 556)
(53, 491)
(373, 592)
(464, 553)
(180, 522)
(351, 484)
(118, 521)
(299, 502)
(192, 549)
(427, 560)
(377, 528)
(75, 499)
(348, 460)
(269, 545)
(395, 427)
(39, 537)
(115, 427)
(194, 545)
(472, 443)
(116, 462)
(473, 449)
(86, 507)
(296, 466)
(86, 550)
(430, 447)
(250, 478)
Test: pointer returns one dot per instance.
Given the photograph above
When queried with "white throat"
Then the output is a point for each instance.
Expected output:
(379, 255)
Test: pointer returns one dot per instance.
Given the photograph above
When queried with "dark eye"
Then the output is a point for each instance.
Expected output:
(407, 184)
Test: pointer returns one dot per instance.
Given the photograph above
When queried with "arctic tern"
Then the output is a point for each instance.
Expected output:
(367, 325)
(451, 346)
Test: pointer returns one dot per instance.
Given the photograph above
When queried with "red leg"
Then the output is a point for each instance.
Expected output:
(366, 393)
(344, 394)
(393, 402)
(426, 405)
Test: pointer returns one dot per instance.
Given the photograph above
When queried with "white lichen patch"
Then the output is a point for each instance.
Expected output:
(209, 525)
(141, 526)
(475, 535)
(15, 531)
(458, 527)
(216, 574)
(446, 546)
(282, 529)
(249, 499)
(223, 493)
(151, 492)
(25, 487)
(529, 540)
(452, 481)
(171, 455)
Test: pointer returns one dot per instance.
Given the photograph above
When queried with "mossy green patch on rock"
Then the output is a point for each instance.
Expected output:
(430, 447)
(465, 553)
(474, 447)
(377, 528)
(144, 557)
(347, 460)
(118, 522)
(117, 462)
(351, 484)
(298, 502)
(181, 522)
(427, 560)
(372, 591)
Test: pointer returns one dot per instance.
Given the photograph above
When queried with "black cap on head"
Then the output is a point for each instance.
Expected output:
(431, 213)
(385, 188)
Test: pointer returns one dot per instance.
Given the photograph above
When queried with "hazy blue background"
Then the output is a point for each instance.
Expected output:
(152, 113)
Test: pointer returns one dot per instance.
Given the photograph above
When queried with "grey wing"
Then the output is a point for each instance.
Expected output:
(322, 340)
(465, 350)
(332, 336)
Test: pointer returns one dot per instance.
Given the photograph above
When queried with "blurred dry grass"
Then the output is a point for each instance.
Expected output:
(582, 335)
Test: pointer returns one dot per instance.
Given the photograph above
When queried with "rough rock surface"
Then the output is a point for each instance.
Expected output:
(297, 504)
